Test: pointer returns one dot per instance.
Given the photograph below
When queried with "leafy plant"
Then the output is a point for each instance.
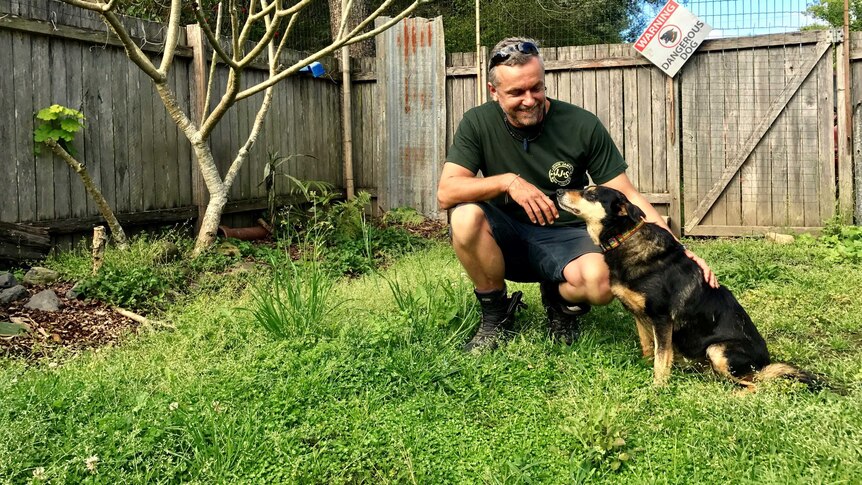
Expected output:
(403, 215)
(354, 245)
(844, 242)
(749, 274)
(139, 287)
(57, 131)
(59, 124)
(604, 445)
(270, 171)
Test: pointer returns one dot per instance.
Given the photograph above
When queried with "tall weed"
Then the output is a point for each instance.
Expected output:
(295, 302)
(434, 309)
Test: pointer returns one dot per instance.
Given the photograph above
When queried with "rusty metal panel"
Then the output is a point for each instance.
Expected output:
(411, 126)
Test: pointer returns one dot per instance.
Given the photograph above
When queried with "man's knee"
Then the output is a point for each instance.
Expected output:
(591, 275)
(598, 279)
(467, 222)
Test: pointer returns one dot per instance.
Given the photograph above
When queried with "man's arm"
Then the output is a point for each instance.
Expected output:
(622, 183)
(458, 185)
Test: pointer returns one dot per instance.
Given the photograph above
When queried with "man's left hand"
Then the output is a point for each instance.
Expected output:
(708, 275)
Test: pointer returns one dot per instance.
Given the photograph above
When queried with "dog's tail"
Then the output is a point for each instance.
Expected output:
(782, 370)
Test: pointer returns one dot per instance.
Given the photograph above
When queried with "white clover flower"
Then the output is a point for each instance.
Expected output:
(91, 463)
(39, 473)
(173, 406)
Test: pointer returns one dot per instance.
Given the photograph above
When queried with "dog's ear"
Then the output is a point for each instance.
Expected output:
(632, 211)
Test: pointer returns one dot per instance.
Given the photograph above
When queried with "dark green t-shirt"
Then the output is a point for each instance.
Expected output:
(572, 143)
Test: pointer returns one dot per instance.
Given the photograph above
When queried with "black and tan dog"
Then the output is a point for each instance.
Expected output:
(674, 308)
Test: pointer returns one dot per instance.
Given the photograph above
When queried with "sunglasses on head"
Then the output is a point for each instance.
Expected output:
(501, 55)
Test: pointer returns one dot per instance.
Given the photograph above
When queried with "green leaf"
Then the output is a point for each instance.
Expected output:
(40, 135)
(71, 125)
(57, 134)
(46, 114)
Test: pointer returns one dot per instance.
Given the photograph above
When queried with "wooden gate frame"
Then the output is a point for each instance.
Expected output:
(824, 43)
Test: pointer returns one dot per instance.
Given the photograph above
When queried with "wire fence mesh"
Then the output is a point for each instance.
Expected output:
(572, 22)
(554, 23)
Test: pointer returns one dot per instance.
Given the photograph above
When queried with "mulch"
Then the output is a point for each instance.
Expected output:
(429, 229)
(79, 325)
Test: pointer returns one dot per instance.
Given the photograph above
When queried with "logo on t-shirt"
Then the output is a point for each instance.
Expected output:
(561, 173)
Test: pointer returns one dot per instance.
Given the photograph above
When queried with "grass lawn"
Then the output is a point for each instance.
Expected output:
(381, 392)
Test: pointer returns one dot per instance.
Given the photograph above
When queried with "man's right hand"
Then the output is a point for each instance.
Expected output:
(538, 206)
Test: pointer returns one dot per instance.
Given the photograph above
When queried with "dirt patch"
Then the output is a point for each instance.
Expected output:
(79, 325)
(429, 229)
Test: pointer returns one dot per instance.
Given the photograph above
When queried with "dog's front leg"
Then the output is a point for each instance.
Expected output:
(663, 337)
(645, 333)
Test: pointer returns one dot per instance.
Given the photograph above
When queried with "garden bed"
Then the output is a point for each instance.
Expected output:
(78, 325)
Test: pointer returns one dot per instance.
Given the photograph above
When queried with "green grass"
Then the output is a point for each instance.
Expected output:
(382, 393)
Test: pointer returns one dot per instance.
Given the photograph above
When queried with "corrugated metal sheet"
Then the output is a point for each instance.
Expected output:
(411, 67)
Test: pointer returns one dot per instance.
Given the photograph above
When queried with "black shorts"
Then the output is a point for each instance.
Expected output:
(535, 253)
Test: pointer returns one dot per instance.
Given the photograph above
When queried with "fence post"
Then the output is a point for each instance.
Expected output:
(198, 87)
(674, 210)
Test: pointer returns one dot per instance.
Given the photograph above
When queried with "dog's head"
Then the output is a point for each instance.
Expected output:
(602, 208)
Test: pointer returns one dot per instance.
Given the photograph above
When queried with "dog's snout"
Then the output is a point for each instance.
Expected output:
(561, 192)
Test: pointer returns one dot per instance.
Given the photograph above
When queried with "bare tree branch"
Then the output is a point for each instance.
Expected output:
(332, 48)
(345, 11)
(234, 29)
(211, 78)
(227, 100)
(94, 6)
(172, 39)
(213, 39)
(271, 29)
(254, 17)
(134, 52)
(383, 6)
(281, 43)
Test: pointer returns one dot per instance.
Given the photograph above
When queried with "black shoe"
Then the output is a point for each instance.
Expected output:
(563, 318)
(498, 311)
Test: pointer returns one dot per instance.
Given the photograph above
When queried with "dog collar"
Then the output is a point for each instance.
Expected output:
(615, 241)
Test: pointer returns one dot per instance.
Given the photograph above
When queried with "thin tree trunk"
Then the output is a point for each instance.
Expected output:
(217, 197)
(99, 241)
(117, 232)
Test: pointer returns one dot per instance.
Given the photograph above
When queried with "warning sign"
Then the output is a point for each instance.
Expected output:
(672, 37)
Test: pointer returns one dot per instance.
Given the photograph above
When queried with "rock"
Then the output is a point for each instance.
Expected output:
(779, 238)
(45, 300)
(17, 292)
(165, 252)
(7, 280)
(13, 329)
(40, 276)
(243, 267)
(228, 249)
(74, 292)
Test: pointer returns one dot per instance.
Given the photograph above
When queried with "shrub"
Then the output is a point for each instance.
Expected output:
(139, 287)
(844, 242)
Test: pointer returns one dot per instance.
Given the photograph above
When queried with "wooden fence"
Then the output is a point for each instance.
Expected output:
(684, 138)
(56, 53)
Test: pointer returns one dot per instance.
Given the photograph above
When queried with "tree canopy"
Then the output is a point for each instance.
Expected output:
(832, 13)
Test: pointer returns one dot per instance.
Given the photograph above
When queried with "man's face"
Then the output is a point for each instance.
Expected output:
(520, 91)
